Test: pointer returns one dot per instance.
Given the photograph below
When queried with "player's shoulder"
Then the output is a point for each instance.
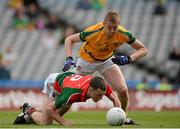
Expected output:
(53, 75)
(95, 27)
(51, 78)
(121, 29)
(124, 31)
(127, 34)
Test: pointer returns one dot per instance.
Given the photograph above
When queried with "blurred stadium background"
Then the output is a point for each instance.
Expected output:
(32, 34)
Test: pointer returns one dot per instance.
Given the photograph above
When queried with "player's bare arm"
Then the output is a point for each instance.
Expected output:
(64, 109)
(140, 52)
(113, 97)
(52, 112)
(69, 41)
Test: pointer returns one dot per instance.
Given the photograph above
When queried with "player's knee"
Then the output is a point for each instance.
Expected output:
(45, 121)
(49, 110)
(48, 122)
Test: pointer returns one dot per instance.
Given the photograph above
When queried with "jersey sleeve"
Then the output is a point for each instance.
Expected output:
(68, 96)
(131, 37)
(90, 30)
(108, 90)
(83, 35)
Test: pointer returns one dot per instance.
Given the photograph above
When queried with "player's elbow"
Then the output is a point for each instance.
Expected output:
(144, 51)
(68, 40)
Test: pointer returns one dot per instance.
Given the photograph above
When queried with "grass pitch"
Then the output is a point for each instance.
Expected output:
(96, 119)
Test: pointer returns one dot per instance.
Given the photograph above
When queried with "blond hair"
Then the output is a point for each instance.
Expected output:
(112, 17)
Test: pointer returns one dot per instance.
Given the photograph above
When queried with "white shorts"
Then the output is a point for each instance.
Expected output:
(86, 68)
(49, 85)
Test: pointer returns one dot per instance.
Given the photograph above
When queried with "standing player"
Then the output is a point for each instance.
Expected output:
(61, 91)
(100, 40)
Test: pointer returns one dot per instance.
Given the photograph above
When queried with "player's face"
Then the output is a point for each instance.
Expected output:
(97, 94)
(111, 28)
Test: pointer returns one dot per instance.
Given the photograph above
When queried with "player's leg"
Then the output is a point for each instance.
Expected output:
(115, 77)
(30, 114)
(42, 117)
(38, 114)
(27, 105)
(24, 118)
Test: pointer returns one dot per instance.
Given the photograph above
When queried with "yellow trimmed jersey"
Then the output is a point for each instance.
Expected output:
(98, 46)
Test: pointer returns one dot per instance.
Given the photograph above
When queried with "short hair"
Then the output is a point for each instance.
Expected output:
(98, 82)
(112, 17)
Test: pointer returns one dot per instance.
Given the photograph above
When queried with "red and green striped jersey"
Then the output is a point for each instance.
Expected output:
(73, 88)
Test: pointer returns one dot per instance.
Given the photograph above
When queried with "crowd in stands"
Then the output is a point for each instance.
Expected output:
(175, 56)
(161, 85)
(8, 59)
(25, 13)
(160, 8)
(32, 17)
(29, 15)
(91, 4)
(4, 73)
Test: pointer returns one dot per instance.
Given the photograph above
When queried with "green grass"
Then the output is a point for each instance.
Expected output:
(92, 119)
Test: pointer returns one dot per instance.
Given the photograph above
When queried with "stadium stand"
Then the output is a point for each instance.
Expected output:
(157, 33)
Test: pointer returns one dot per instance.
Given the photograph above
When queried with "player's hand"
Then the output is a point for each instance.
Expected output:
(67, 123)
(121, 59)
(68, 63)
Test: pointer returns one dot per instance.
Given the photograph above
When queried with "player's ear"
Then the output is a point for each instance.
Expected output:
(90, 92)
(90, 89)
(104, 22)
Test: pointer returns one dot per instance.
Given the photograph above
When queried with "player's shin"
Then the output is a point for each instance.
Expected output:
(124, 99)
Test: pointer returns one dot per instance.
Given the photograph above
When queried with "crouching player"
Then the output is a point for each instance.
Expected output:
(61, 91)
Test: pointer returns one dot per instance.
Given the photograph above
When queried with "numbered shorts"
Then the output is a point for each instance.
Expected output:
(48, 88)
